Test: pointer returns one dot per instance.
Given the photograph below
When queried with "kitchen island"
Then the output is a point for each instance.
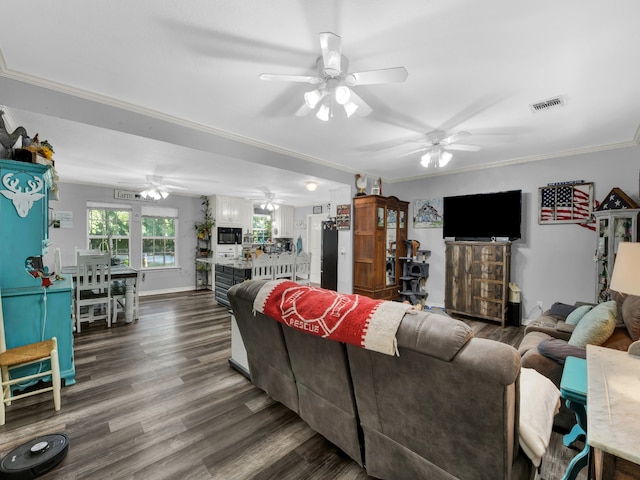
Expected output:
(229, 272)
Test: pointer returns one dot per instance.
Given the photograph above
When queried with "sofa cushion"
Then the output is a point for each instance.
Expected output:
(559, 350)
(433, 334)
(596, 326)
(574, 317)
(561, 310)
(631, 315)
(619, 339)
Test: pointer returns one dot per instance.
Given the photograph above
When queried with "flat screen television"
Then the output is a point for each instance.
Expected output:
(483, 216)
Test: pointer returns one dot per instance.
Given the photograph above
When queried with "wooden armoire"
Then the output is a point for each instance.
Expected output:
(379, 232)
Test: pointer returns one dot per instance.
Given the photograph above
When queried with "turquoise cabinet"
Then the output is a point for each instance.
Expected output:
(31, 312)
(36, 313)
(24, 216)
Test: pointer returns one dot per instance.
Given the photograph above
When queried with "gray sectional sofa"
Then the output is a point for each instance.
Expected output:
(446, 408)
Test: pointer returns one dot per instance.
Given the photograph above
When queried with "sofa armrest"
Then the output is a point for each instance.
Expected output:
(550, 325)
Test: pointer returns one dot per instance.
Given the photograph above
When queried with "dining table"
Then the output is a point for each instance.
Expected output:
(124, 273)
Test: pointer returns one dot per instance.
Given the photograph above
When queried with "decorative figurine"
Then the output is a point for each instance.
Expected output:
(361, 183)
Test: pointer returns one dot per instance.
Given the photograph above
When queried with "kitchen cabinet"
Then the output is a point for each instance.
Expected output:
(379, 232)
(233, 211)
(477, 279)
(283, 222)
(612, 228)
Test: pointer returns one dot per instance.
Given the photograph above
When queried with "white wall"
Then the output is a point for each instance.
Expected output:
(74, 198)
(551, 262)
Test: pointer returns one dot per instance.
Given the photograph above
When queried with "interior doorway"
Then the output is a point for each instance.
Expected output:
(314, 244)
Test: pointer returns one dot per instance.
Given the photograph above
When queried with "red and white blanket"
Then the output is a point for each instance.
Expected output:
(353, 319)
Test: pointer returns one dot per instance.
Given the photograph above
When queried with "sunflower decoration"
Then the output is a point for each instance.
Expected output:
(43, 148)
(46, 150)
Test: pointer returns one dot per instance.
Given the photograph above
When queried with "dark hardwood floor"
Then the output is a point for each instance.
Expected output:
(156, 399)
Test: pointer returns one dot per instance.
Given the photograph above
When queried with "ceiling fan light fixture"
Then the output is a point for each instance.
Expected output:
(426, 160)
(444, 158)
(350, 108)
(313, 97)
(311, 186)
(324, 112)
(164, 194)
(342, 94)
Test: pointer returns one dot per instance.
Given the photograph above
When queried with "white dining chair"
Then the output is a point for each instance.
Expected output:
(302, 268)
(263, 267)
(93, 289)
(284, 266)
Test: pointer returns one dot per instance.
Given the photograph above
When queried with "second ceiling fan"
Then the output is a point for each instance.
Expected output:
(334, 82)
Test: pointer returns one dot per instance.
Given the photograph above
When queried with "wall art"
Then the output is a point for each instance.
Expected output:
(428, 213)
(565, 203)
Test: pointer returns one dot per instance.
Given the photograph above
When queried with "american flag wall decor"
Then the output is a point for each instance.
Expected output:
(565, 203)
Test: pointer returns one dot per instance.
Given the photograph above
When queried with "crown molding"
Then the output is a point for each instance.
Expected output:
(16, 75)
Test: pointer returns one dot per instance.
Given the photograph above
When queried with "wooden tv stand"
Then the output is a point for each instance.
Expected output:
(477, 279)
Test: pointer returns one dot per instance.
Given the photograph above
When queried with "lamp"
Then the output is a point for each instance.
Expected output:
(626, 276)
(626, 271)
(311, 186)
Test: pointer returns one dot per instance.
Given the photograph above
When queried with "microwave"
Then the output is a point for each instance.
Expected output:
(229, 235)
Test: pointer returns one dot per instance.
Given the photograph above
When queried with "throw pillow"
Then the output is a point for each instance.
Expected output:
(596, 326)
(559, 350)
(574, 317)
(561, 310)
(631, 316)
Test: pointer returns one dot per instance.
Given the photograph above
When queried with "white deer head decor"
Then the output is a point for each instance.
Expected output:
(23, 201)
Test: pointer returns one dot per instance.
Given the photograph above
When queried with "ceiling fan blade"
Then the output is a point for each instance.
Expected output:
(419, 150)
(462, 147)
(331, 45)
(276, 77)
(363, 108)
(303, 110)
(454, 137)
(372, 77)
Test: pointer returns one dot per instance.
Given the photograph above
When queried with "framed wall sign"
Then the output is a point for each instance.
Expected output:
(343, 216)
(565, 203)
(317, 209)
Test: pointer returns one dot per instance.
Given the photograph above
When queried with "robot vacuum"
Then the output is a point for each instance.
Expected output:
(34, 458)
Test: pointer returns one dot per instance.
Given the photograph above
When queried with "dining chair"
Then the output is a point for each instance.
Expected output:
(263, 267)
(283, 266)
(26, 363)
(93, 288)
(302, 268)
(87, 251)
(57, 261)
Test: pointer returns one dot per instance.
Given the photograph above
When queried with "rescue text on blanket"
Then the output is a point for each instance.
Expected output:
(348, 318)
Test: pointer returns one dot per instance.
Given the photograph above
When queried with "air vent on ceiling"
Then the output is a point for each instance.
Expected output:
(548, 104)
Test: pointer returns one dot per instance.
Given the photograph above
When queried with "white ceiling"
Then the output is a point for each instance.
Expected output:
(156, 87)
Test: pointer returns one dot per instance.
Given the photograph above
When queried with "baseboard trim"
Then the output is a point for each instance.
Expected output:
(167, 290)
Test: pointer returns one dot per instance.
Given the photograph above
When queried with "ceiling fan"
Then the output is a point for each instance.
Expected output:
(335, 83)
(156, 188)
(437, 145)
(269, 202)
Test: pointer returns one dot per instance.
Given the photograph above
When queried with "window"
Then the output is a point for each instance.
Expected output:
(159, 227)
(109, 230)
(261, 228)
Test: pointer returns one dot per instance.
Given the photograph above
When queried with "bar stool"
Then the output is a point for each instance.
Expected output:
(573, 388)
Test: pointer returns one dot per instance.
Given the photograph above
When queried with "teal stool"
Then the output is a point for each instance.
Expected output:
(573, 388)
